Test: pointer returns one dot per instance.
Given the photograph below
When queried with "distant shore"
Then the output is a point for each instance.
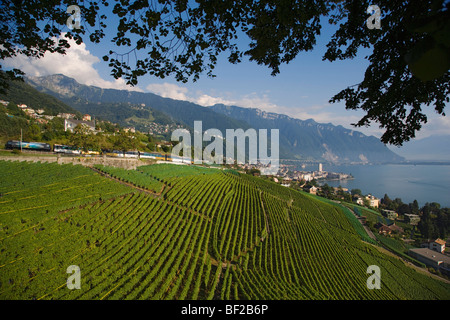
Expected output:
(427, 163)
(336, 179)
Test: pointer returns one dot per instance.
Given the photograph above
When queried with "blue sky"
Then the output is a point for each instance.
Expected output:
(301, 90)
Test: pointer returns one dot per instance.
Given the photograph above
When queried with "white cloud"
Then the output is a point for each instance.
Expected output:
(437, 125)
(77, 63)
(206, 100)
(174, 91)
(169, 90)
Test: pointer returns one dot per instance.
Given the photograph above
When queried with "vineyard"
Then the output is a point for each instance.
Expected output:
(195, 233)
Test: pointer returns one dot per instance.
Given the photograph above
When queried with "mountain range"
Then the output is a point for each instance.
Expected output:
(299, 139)
(432, 148)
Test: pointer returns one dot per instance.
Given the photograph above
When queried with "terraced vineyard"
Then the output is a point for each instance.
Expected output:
(210, 234)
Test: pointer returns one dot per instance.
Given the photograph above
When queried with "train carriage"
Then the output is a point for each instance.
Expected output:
(36, 146)
(152, 155)
(60, 148)
(132, 154)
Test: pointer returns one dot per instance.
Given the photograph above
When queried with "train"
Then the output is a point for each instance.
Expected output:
(36, 146)
(71, 150)
(60, 148)
(148, 155)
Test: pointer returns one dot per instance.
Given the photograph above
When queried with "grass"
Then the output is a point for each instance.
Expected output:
(8, 153)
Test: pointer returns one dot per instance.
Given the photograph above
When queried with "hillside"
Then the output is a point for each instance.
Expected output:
(433, 148)
(195, 233)
(124, 114)
(22, 93)
(84, 97)
(298, 139)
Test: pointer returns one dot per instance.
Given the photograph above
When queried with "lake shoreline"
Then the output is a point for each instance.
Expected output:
(409, 182)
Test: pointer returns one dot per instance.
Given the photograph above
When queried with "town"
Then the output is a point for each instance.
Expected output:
(71, 120)
(289, 177)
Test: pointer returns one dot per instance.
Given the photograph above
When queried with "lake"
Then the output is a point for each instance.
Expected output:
(425, 183)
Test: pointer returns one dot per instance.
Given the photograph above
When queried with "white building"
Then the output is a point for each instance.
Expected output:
(373, 201)
(70, 124)
(412, 219)
(66, 115)
(360, 201)
(130, 130)
(436, 245)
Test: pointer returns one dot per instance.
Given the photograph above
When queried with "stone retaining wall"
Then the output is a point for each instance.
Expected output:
(125, 163)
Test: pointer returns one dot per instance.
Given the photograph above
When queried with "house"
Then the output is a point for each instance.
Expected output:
(383, 229)
(70, 124)
(66, 115)
(41, 120)
(436, 245)
(390, 214)
(432, 258)
(396, 228)
(311, 189)
(359, 200)
(373, 201)
(86, 117)
(388, 229)
(129, 130)
(412, 219)
(28, 111)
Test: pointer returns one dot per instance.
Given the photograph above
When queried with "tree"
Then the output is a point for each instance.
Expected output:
(356, 192)
(366, 202)
(82, 137)
(414, 207)
(404, 209)
(165, 148)
(33, 133)
(435, 221)
(327, 191)
(14, 110)
(408, 65)
(387, 202)
(125, 142)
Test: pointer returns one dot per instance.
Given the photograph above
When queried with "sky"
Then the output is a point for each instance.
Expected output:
(301, 90)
